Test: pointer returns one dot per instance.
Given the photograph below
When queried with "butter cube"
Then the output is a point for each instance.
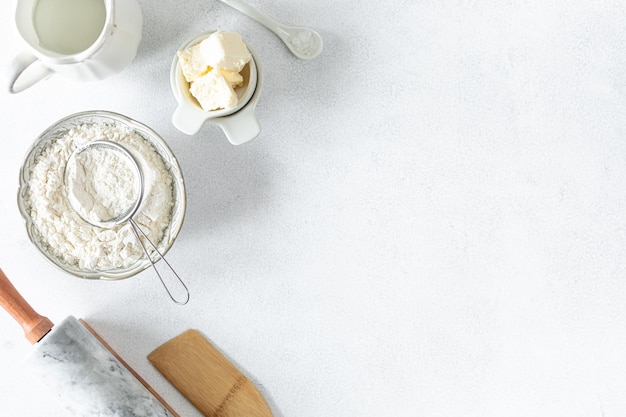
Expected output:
(192, 63)
(225, 50)
(234, 78)
(213, 91)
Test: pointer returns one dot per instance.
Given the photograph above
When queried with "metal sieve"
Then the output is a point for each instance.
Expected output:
(89, 206)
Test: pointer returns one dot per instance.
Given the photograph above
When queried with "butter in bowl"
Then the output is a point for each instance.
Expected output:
(216, 78)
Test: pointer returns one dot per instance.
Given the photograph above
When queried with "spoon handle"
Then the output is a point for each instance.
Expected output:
(246, 9)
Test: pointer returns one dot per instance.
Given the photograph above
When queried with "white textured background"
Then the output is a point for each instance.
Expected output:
(431, 223)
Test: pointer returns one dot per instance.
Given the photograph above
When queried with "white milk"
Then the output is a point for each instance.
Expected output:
(68, 26)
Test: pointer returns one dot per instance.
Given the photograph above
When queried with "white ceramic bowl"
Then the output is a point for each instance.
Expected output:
(56, 132)
(240, 123)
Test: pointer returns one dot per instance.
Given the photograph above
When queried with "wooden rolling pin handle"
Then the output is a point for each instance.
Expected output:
(35, 326)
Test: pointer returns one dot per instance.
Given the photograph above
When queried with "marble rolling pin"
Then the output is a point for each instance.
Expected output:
(86, 378)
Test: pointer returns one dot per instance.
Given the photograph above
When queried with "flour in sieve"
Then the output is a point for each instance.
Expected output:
(68, 237)
(97, 200)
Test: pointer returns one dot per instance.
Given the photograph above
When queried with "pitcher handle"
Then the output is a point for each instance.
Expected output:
(25, 71)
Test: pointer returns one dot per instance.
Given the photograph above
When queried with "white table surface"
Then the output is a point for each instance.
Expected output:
(432, 221)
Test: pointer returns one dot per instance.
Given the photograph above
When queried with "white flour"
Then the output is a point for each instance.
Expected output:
(70, 238)
(304, 42)
(97, 200)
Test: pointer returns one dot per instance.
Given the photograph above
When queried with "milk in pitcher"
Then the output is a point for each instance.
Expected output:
(68, 26)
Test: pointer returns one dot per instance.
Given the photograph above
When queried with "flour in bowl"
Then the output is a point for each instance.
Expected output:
(60, 228)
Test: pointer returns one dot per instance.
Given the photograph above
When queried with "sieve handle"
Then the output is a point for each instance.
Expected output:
(173, 280)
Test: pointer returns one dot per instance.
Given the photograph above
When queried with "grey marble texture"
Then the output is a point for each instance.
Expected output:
(86, 379)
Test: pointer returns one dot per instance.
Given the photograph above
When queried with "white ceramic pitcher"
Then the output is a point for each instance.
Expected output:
(83, 40)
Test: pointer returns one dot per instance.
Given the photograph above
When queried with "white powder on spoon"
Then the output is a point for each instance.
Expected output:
(67, 236)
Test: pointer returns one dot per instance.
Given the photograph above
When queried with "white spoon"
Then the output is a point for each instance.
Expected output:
(302, 42)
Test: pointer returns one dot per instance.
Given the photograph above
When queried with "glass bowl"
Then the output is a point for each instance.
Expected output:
(48, 243)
